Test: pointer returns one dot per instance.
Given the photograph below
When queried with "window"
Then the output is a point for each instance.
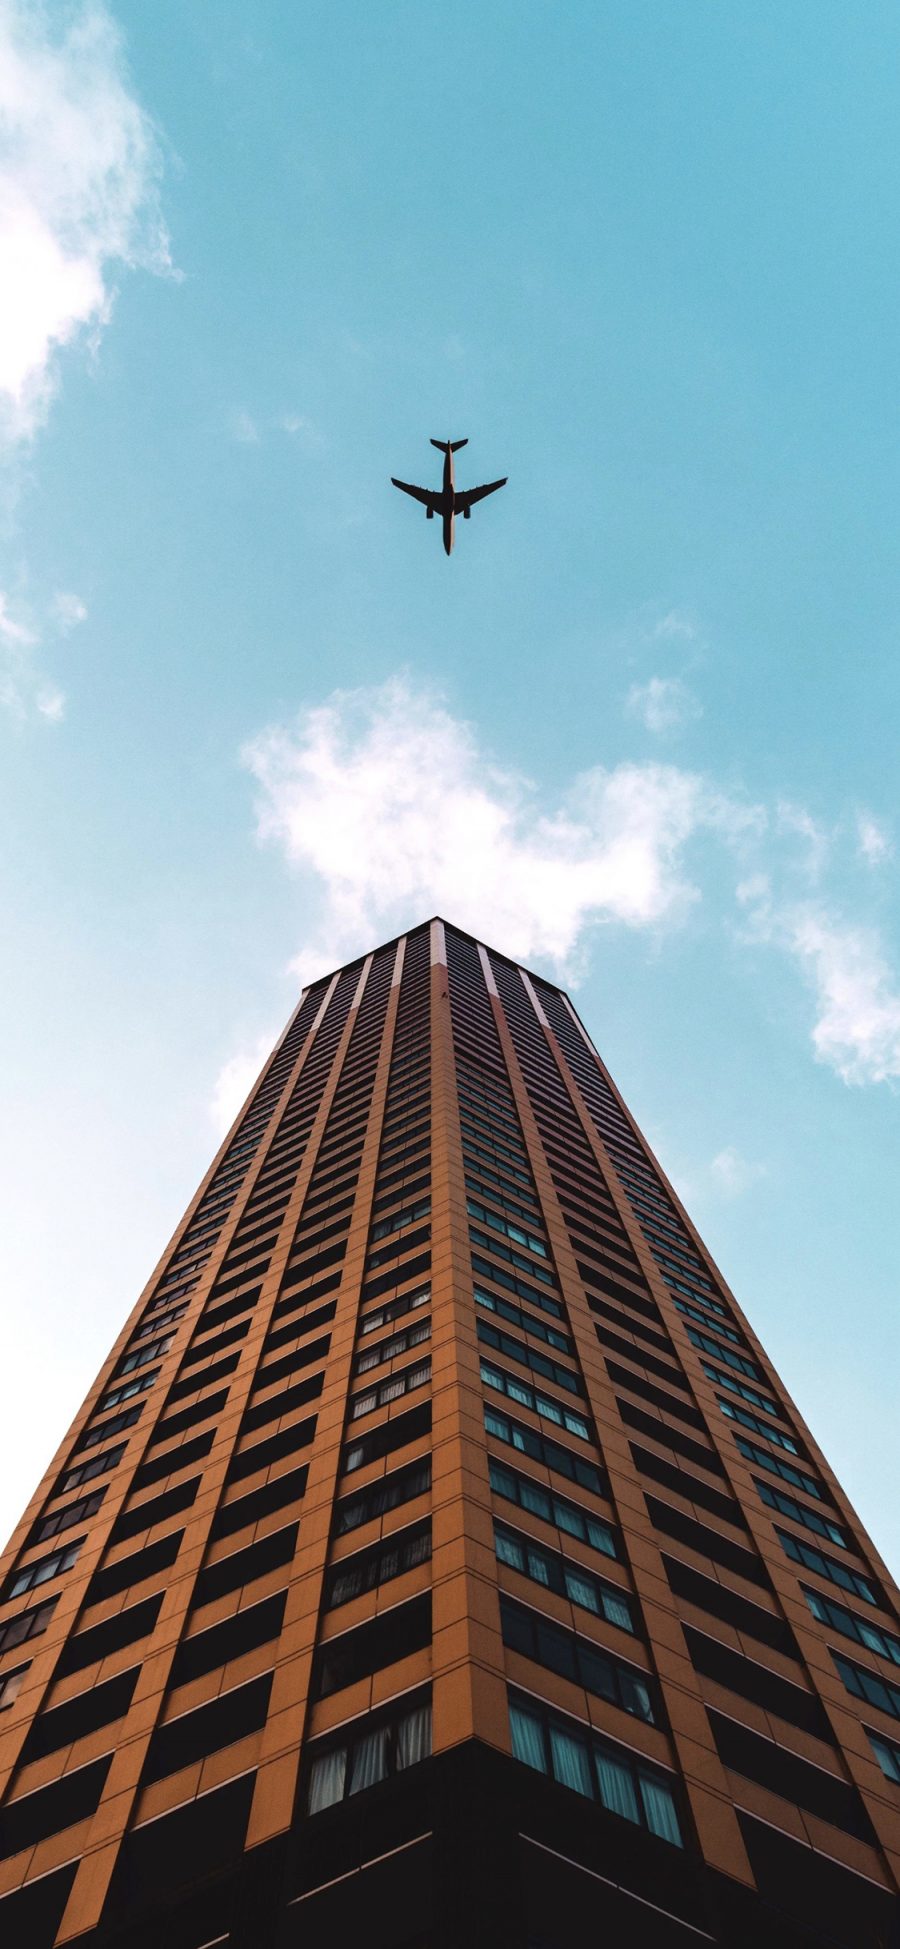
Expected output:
(376, 1749)
(156, 1320)
(567, 1579)
(552, 1508)
(389, 1493)
(561, 1460)
(484, 1269)
(381, 1441)
(394, 1310)
(851, 1626)
(74, 1512)
(702, 1299)
(400, 1219)
(114, 1426)
(141, 1356)
(758, 1427)
(125, 1392)
(776, 1466)
(810, 1518)
(491, 1336)
(691, 1313)
(576, 1658)
(11, 1685)
(506, 1226)
(746, 1393)
(575, 1757)
(28, 1624)
(505, 1310)
(389, 1558)
(473, 1148)
(736, 1360)
(514, 1258)
(96, 1465)
(539, 1403)
(887, 1755)
(384, 1640)
(390, 1389)
(825, 1566)
(411, 1336)
(41, 1572)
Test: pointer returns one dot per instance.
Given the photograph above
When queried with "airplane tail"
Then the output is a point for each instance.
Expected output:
(449, 446)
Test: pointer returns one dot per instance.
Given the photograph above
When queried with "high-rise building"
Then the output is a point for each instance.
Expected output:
(438, 1559)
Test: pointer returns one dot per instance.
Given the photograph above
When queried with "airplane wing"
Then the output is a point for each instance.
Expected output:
(424, 494)
(462, 502)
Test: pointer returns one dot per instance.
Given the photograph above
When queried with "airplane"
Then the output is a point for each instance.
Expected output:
(448, 502)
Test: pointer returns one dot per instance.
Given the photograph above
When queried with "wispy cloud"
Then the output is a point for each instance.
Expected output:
(733, 1174)
(390, 808)
(79, 193)
(67, 611)
(245, 430)
(664, 704)
(391, 802)
(12, 631)
(872, 839)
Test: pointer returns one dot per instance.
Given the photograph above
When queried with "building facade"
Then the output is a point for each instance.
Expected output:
(438, 1558)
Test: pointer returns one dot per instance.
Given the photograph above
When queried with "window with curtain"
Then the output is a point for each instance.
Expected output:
(567, 1579)
(577, 1758)
(571, 1656)
(368, 1754)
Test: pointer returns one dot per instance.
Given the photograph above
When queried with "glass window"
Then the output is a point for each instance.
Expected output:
(361, 1759)
(41, 1572)
(587, 1764)
(888, 1757)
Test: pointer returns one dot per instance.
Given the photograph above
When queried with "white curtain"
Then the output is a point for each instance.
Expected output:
(326, 1779)
(414, 1737)
(369, 1761)
(616, 1786)
(527, 1738)
(571, 1765)
(660, 1810)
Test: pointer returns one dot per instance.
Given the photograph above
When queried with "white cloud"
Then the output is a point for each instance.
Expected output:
(12, 631)
(67, 611)
(663, 704)
(733, 1174)
(51, 703)
(79, 175)
(796, 821)
(245, 429)
(235, 1081)
(872, 839)
(857, 1028)
(392, 804)
(675, 625)
(303, 431)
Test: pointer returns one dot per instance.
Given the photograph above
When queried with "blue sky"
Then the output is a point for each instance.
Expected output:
(641, 729)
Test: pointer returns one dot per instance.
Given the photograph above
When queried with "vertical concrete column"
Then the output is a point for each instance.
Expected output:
(468, 1661)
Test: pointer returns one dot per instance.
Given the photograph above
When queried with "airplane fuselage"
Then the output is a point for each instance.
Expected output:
(447, 516)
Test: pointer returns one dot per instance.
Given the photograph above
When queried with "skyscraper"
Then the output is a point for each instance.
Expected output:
(438, 1558)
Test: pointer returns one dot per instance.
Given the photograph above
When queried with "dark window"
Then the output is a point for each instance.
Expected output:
(175, 1424)
(191, 1737)
(382, 1441)
(785, 1773)
(690, 1486)
(244, 1566)
(93, 1435)
(262, 1454)
(756, 1682)
(718, 1601)
(86, 1471)
(390, 1389)
(825, 1566)
(79, 1716)
(579, 1660)
(390, 1492)
(134, 1569)
(231, 1639)
(283, 1402)
(868, 1685)
(393, 1635)
(87, 1647)
(177, 1458)
(132, 1521)
(276, 1494)
(77, 1795)
(41, 1572)
(392, 1557)
(574, 1756)
(536, 1399)
(28, 1624)
(708, 1542)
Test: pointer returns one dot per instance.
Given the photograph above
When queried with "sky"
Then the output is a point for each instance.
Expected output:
(640, 731)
